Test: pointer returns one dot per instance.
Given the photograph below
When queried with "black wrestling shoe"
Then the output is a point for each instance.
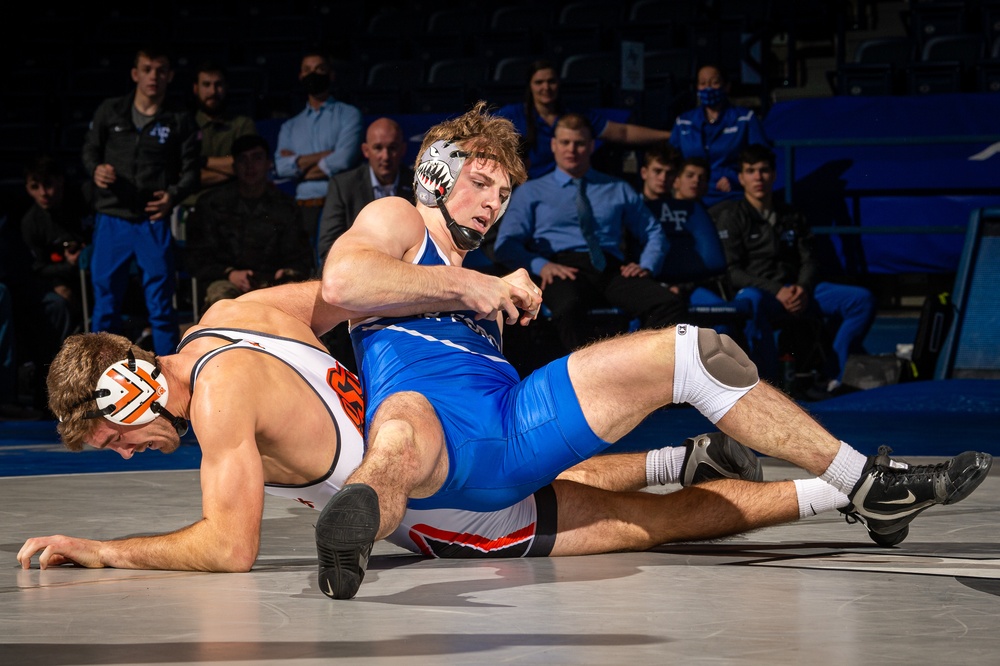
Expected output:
(716, 455)
(345, 534)
(891, 493)
(885, 540)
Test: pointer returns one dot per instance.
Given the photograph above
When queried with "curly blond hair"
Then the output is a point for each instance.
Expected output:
(73, 378)
(480, 133)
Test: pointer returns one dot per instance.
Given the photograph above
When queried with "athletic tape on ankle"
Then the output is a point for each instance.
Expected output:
(656, 470)
(704, 390)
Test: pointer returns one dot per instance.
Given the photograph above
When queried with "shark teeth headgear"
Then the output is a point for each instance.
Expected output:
(435, 178)
(437, 172)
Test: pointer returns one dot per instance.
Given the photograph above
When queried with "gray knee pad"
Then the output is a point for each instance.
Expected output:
(711, 372)
(725, 360)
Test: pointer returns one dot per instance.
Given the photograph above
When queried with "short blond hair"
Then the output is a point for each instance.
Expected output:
(73, 378)
(481, 133)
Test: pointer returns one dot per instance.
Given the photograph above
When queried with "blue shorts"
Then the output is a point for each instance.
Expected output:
(506, 443)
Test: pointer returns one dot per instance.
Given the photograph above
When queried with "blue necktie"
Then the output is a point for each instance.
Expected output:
(587, 225)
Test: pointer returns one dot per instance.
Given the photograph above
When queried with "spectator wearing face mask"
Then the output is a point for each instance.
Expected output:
(321, 141)
(717, 131)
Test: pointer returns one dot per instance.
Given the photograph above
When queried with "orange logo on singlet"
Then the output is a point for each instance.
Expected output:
(348, 389)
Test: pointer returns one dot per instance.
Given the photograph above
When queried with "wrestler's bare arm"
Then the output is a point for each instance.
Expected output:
(227, 537)
(368, 271)
(302, 301)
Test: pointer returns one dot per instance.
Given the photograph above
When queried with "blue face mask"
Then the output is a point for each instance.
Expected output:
(711, 96)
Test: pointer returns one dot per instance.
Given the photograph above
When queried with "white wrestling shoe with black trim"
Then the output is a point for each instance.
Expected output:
(890, 493)
(716, 455)
(345, 535)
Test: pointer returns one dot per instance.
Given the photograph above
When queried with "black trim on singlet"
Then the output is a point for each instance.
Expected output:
(309, 483)
(213, 332)
(546, 523)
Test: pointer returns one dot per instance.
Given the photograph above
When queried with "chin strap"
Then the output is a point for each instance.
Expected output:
(465, 238)
(179, 424)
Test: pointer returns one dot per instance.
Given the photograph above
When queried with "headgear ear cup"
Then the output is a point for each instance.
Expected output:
(133, 392)
(435, 178)
(436, 174)
(127, 390)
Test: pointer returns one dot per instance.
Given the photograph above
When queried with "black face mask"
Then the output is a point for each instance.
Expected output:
(315, 83)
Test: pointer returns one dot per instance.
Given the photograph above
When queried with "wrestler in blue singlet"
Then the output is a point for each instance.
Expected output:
(506, 438)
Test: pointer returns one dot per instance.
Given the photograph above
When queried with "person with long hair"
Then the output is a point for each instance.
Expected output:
(535, 119)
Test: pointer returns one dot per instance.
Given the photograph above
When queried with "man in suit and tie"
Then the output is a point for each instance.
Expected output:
(381, 175)
(566, 228)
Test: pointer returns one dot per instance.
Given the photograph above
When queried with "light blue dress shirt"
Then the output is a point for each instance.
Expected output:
(334, 126)
(542, 220)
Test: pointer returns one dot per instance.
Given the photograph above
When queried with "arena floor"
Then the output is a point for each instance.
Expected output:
(816, 592)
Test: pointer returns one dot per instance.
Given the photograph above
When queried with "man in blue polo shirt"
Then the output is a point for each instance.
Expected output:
(566, 228)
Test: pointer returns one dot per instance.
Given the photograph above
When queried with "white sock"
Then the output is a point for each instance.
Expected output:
(664, 465)
(816, 496)
(845, 470)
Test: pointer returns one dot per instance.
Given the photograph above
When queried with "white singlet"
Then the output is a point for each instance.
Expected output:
(524, 529)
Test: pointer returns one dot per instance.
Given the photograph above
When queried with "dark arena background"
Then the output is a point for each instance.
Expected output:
(883, 115)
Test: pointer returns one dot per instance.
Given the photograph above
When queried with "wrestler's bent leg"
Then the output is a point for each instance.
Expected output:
(597, 521)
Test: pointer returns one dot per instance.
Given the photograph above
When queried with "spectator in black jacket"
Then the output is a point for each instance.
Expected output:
(56, 228)
(247, 234)
(144, 160)
(772, 263)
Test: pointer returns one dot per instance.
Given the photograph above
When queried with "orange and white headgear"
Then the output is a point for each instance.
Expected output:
(133, 392)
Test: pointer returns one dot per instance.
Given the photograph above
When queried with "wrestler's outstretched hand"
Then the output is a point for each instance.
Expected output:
(57, 549)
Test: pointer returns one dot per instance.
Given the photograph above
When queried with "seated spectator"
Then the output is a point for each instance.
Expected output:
(717, 131)
(382, 174)
(56, 228)
(536, 118)
(28, 342)
(567, 228)
(247, 234)
(320, 142)
(771, 262)
(218, 128)
(694, 252)
(695, 264)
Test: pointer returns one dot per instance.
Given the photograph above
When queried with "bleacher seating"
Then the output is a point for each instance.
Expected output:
(261, 45)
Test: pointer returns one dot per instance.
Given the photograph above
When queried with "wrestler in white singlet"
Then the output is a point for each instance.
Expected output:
(524, 529)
